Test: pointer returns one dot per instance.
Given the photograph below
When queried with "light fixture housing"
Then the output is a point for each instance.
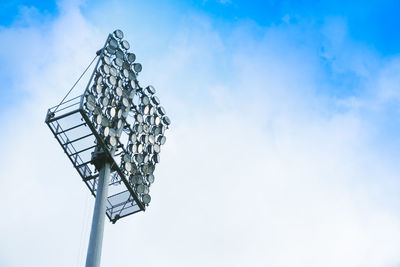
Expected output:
(117, 115)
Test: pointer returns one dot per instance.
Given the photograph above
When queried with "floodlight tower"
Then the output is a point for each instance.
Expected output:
(112, 133)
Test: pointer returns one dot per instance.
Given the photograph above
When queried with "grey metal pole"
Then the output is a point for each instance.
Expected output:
(96, 233)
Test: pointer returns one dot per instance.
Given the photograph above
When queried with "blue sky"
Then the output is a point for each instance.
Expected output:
(374, 22)
(284, 144)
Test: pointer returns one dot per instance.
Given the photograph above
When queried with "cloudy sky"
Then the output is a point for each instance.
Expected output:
(284, 147)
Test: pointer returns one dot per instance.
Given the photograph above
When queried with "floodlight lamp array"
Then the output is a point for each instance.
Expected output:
(127, 117)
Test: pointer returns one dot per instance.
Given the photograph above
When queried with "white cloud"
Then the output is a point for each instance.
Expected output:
(260, 167)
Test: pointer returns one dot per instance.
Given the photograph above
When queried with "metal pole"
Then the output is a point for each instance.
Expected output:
(96, 233)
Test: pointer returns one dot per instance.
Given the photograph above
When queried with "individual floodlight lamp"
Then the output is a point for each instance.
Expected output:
(112, 134)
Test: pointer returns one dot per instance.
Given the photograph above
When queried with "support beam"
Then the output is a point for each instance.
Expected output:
(96, 233)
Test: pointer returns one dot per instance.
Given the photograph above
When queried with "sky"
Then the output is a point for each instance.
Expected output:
(284, 144)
